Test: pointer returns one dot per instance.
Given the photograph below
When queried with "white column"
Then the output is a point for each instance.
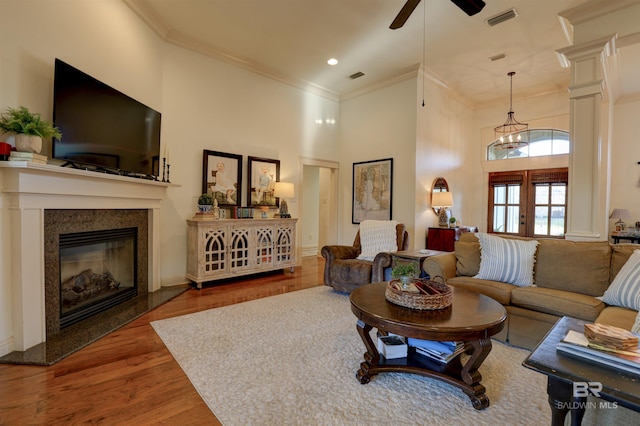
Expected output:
(589, 128)
(27, 275)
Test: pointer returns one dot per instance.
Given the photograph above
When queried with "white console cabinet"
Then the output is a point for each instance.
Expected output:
(227, 248)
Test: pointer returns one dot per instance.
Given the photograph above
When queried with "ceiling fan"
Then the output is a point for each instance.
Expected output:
(470, 7)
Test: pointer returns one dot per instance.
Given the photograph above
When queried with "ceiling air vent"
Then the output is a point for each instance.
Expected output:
(356, 75)
(501, 17)
(498, 57)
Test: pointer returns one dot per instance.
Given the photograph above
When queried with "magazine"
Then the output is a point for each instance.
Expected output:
(576, 344)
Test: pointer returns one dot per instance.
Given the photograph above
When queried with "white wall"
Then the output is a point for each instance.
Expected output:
(205, 104)
(625, 152)
(377, 125)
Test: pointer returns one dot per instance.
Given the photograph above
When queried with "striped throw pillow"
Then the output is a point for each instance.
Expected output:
(506, 260)
(625, 289)
(636, 325)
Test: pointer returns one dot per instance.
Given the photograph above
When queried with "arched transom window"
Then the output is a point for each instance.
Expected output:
(541, 142)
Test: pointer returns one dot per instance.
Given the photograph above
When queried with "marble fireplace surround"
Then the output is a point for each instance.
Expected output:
(30, 189)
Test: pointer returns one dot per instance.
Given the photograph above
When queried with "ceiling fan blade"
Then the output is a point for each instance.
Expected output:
(404, 14)
(470, 7)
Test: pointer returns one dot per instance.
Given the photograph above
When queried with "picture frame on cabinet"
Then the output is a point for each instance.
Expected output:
(263, 173)
(372, 190)
(222, 177)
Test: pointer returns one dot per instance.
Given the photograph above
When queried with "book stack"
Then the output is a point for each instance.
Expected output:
(578, 345)
(392, 347)
(442, 352)
(29, 157)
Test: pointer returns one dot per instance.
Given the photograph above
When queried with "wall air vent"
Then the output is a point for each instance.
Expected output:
(356, 75)
(501, 17)
(498, 57)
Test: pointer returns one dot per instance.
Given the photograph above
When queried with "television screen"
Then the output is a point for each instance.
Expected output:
(103, 127)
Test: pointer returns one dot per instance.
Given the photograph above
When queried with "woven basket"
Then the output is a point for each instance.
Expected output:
(396, 295)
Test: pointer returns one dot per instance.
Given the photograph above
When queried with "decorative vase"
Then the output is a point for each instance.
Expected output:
(405, 280)
(28, 143)
(204, 208)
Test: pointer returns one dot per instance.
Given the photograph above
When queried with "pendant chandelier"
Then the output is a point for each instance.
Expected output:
(512, 134)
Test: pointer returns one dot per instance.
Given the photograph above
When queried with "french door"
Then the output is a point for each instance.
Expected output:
(528, 203)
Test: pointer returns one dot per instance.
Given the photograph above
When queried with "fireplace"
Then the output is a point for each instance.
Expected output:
(94, 260)
(97, 271)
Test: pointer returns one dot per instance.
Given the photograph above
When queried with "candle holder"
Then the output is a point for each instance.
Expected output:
(164, 166)
(168, 180)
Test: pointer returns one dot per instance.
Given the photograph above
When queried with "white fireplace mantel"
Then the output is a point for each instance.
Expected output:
(29, 189)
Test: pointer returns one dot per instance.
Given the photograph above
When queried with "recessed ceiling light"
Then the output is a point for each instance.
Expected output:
(332, 61)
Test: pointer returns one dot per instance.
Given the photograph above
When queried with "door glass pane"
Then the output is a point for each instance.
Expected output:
(542, 221)
(513, 213)
(514, 194)
(499, 194)
(542, 194)
(557, 221)
(558, 194)
(498, 218)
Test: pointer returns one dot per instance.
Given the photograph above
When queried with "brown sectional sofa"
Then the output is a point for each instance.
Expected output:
(568, 275)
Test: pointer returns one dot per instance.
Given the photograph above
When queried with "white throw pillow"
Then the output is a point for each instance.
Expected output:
(506, 260)
(625, 289)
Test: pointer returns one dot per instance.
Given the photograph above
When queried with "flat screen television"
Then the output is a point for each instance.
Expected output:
(102, 127)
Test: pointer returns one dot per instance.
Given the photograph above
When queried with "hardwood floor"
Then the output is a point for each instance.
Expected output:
(129, 376)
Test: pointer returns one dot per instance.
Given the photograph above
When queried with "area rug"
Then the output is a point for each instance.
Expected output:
(292, 359)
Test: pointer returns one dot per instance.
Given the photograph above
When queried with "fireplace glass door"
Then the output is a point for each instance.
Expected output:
(98, 270)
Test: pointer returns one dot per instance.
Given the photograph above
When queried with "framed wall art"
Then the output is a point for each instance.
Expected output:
(222, 177)
(263, 173)
(372, 190)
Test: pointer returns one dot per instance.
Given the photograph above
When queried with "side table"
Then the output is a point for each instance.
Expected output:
(416, 257)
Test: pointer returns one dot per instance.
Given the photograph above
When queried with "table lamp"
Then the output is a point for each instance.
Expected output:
(620, 214)
(442, 200)
(284, 190)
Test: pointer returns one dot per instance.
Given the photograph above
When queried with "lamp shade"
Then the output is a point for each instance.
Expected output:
(284, 190)
(620, 214)
(441, 199)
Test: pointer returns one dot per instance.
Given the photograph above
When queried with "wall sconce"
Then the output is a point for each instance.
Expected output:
(442, 200)
(284, 190)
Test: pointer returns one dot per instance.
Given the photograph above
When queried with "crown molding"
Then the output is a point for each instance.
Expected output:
(594, 9)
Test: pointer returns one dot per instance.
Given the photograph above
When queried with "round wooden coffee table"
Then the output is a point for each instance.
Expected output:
(472, 318)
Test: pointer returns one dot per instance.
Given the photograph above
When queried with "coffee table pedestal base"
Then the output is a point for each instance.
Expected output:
(464, 376)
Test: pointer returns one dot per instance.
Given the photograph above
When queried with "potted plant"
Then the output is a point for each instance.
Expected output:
(205, 202)
(452, 222)
(405, 272)
(28, 128)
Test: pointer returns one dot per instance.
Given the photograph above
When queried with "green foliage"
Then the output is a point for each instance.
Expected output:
(403, 269)
(20, 120)
(452, 220)
(205, 199)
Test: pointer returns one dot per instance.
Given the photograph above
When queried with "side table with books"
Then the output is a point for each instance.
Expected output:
(571, 375)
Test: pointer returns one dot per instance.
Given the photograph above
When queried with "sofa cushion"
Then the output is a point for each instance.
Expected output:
(617, 316)
(506, 260)
(494, 289)
(619, 255)
(574, 266)
(625, 289)
(467, 258)
(557, 302)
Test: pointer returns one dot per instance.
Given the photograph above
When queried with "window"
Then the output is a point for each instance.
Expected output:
(541, 142)
(537, 194)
